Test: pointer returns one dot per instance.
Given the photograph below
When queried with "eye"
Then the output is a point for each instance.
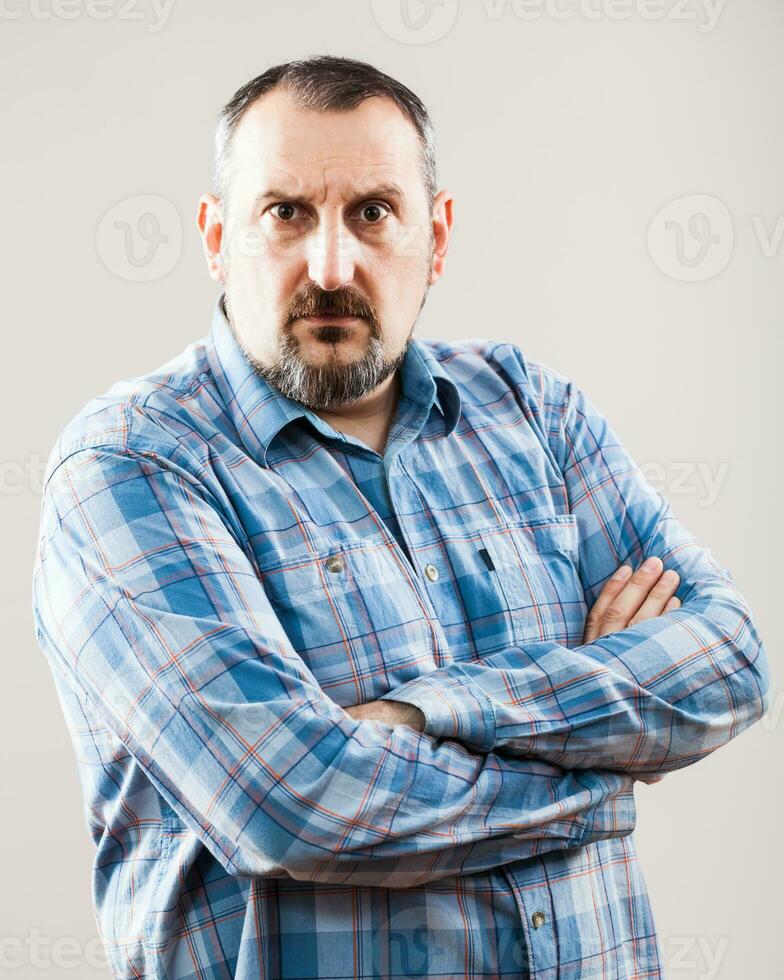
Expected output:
(287, 208)
(375, 208)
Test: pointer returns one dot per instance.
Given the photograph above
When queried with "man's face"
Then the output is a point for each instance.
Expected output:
(326, 245)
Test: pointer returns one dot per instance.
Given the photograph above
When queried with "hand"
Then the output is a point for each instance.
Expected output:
(628, 600)
(390, 712)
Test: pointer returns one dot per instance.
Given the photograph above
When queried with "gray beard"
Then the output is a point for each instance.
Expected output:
(331, 385)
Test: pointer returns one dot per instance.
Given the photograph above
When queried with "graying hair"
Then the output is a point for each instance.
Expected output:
(324, 83)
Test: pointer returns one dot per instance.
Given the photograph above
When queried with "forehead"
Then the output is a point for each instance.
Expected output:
(316, 152)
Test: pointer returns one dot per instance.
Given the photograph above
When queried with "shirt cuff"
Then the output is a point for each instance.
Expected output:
(453, 705)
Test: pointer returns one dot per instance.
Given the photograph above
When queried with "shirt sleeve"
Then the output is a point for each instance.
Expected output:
(148, 605)
(654, 697)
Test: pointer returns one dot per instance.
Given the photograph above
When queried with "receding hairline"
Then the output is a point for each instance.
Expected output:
(324, 84)
(276, 188)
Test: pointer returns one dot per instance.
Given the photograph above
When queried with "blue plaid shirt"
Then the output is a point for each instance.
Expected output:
(220, 572)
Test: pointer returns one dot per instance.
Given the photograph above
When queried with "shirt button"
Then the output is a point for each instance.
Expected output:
(537, 919)
(335, 563)
(432, 572)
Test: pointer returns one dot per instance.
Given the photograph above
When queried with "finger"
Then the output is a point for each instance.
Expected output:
(658, 597)
(673, 603)
(633, 594)
(622, 596)
(610, 590)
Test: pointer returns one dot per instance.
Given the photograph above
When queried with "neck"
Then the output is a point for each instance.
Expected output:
(370, 418)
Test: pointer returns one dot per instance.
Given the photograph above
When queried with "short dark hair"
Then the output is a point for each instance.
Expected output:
(324, 82)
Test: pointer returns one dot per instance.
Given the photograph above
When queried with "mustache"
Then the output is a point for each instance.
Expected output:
(337, 302)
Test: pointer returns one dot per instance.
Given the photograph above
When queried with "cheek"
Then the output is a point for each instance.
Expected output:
(252, 249)
(259, 273)
(258, 335)
(402, 284)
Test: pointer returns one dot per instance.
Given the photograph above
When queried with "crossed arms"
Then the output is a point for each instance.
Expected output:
(145, 601)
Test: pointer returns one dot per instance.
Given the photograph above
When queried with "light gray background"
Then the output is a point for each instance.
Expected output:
(562, 141)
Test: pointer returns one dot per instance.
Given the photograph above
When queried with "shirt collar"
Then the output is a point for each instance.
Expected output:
(260, 411)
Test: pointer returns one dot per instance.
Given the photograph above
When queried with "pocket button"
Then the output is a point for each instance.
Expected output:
(334, 563)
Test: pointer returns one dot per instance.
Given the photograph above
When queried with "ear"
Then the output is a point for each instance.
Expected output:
(442, 227)
(210, 222)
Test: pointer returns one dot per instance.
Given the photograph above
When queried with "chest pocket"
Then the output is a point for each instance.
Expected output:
(537, 567)
(517, 582)
(356, 618)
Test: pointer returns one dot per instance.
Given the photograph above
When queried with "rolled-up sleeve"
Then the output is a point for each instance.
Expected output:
(656, 696)
(147, 604)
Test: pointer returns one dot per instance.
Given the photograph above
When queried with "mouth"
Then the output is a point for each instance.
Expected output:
(339, 321)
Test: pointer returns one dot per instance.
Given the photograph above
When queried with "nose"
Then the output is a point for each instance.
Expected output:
(332, 254)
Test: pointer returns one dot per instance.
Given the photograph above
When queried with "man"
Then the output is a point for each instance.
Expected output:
(316, 597)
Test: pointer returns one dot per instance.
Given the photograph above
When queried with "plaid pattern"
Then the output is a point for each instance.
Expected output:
(220, 572)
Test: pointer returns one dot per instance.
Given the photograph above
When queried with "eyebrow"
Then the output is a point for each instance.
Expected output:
(383, 190)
